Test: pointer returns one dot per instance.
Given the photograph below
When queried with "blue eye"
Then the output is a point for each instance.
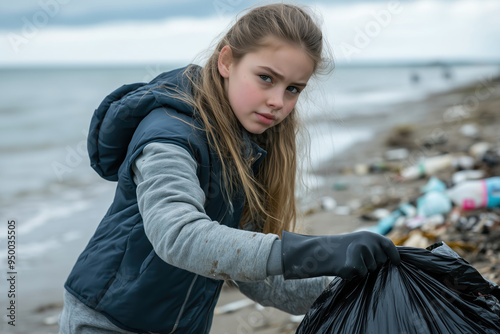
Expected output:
(293, 90)
(266, 78)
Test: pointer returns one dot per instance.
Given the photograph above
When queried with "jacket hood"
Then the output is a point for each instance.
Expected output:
(117, 117)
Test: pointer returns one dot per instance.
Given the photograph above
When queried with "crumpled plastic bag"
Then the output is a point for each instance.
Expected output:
(432, 291)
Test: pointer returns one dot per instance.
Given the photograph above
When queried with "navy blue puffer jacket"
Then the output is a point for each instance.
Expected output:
(118, 273)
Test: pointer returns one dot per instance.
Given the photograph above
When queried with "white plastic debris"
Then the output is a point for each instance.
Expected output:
(296, 318)
(328, 203)
(479, 149)
(234, 306)
(381, 213)
(465, 175)
(361, 169)
(463, 162)
(397, 154)
(51, 321)
(469, 130)
(427, 167)
(342, 210)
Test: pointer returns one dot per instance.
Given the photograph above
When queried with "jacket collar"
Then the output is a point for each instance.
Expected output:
(252, 151)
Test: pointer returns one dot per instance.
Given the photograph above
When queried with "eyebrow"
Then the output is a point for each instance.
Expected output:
(281, 77)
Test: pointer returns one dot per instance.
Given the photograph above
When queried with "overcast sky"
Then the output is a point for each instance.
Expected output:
(163, 31)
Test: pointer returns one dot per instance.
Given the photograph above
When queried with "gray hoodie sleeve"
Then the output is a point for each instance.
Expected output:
(291, 296)
(171, 204)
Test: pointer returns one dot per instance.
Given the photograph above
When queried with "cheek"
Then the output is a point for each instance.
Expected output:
(250, 91)
(288, 107)
(246, 94)
(285, 112)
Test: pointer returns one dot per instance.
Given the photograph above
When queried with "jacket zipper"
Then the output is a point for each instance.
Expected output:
(255, 158)
(177, 321)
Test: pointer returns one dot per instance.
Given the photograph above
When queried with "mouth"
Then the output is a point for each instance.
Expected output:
(266, 118)
(269, 116)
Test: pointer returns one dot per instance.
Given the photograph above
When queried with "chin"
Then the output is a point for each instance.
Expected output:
(257, 131)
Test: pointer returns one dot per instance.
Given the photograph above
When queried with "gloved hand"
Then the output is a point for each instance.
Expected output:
(345, 255)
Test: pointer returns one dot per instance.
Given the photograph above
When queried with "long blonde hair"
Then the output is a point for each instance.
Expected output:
(270, 194)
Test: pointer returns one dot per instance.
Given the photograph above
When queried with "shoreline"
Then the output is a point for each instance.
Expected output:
(428, 112)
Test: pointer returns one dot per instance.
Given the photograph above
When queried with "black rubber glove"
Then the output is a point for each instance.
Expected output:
(345, 255)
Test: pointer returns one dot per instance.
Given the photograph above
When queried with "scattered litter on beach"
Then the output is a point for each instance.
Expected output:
(451, 194)
(427, 188)
(458, 206)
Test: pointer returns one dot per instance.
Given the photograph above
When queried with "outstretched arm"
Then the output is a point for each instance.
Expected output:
(182, 234)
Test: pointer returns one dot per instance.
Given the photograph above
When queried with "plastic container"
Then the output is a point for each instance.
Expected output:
(427, 167)
(433, 203)
(386, 223)
(463, 162)
(470, 195)
(465, 175)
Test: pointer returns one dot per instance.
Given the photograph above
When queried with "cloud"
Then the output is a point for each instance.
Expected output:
(127, 42)
(77, 13)
(414, 30)
(81, 13)
(364, 31)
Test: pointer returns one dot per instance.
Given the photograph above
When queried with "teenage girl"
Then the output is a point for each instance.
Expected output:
(205, 159)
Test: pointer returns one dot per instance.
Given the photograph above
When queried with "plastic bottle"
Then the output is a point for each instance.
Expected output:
(475, 194)
(427, 167)
(386, 223)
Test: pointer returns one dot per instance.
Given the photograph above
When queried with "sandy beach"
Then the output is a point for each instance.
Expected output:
(346, 179)
(362, 193)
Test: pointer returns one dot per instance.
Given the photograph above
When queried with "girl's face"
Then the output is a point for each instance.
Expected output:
(264, 85)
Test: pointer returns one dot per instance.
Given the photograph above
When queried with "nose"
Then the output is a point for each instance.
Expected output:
(275, 99)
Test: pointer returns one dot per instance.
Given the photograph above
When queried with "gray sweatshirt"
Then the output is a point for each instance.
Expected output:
(171, 203)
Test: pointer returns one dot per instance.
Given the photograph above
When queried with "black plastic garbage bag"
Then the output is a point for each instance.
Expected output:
(432, 291)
